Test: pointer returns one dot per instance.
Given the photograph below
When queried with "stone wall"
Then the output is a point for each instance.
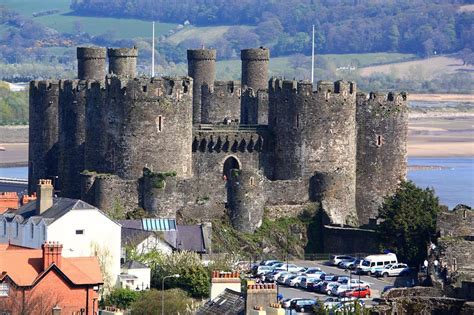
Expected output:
(220, 102)
(456, 223)
(14, 134)
(343, 240)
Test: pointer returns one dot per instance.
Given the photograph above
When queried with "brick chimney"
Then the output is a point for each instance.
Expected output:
(44, 200)
(52, 254)
(260, 295)
(224, 280)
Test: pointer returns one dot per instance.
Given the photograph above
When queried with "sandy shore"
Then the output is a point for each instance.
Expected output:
(442, 97)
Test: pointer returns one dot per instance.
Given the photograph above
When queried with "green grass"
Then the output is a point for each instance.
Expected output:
(64, 21)
(206, 35)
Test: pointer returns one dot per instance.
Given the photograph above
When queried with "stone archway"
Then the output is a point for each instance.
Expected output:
(230, 164)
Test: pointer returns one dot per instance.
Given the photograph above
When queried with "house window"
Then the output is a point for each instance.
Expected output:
(44, 232)
(79, 232)
(4, 289)
(17, 229)
(4, 227)
(32, 230)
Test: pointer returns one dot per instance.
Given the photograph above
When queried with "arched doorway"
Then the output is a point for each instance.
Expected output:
(230, 164)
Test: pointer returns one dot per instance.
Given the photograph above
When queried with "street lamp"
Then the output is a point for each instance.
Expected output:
(163, 292)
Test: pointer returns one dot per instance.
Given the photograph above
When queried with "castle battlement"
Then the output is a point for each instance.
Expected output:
(202, 54)
(74, 85)
(44, 85)
(222, 88)
(325, 88)
(91, 53)
(228, 142)
(254, 54)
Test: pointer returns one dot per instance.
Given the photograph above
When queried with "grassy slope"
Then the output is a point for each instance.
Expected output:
(124, 28)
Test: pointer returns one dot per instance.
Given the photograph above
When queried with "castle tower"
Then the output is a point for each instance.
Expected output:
(382, 124)
(220, 102)
(202, 69)
(123, 61)
(152, 127)
(246, 199)
(72, 110)
(90, 63)
(315, 136)
(43, 149)
(255, 68)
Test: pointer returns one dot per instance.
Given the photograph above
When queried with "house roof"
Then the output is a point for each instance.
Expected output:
(25, 267)
(150, 224)
(132, 264)
(228, 302)
(190, 238)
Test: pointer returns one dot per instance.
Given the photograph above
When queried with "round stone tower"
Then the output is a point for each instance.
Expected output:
(43, 150)
(315, 133)
(91, 63)
(123, 61)
(72, 134)
(202, 68)
(382, 124)
(255, 68)
(153, 128)
(246, 199)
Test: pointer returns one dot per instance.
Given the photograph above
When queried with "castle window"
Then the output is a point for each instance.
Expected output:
(32, 230)
(297, 121)
(145, 88)
(464, 214)
(379, 140)
(159, 123)
(252, 181)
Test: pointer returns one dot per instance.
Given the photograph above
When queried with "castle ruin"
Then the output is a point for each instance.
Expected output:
(196, 148)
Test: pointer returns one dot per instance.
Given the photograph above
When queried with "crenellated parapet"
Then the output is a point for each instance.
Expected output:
(382, 125)
(220, 102)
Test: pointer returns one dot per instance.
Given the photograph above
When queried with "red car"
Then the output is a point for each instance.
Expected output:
(362, 292)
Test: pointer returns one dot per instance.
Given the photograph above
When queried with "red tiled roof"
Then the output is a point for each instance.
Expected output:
(25, 266)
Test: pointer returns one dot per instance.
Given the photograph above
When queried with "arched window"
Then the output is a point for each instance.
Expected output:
(32, 230)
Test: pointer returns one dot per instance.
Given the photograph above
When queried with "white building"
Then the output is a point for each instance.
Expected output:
(82, 229)
(135, 276)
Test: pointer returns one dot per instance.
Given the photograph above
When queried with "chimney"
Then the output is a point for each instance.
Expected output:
(52, 254)
(260, 295)
(44, 199)
(224, 280)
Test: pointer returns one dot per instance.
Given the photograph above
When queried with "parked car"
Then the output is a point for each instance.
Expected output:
(314, 274)
(286, 303)
(358, 293)
(349, 264)
(331, 302)
(276, 274)
(357, 283)
(302, 305)
(392, 270)
(327, 288)
(337, 290)
(372, 262)
(269, 262)
(294, 281)
(336, 259)
(288, 267)
(307, 283)
(283, 276)
(260, 270)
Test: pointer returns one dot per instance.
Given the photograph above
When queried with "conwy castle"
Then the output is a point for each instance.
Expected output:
(196, 149)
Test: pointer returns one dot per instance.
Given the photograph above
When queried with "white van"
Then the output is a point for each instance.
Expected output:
(372, 262)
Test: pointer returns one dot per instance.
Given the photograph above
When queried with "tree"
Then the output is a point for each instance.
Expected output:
(176, 302)
(409, 221)
(121, 298)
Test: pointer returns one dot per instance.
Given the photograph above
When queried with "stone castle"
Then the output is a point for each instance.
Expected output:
(197, 149)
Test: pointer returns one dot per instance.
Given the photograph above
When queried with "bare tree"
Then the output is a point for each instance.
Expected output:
(30, 302)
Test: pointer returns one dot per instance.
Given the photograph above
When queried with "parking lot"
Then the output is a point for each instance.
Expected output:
(377, 284)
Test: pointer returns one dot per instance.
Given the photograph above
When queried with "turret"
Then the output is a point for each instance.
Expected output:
(91, 63)
(202, 68)
(382, 124)
(315, 134)
(43, 149)
(255, 68)
(123, 61)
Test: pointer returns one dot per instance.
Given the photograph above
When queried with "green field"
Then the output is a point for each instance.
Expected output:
(230, 69)
(65, 22)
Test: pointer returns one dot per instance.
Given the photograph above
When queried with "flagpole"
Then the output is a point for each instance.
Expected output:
(153, 52)
(312, 59)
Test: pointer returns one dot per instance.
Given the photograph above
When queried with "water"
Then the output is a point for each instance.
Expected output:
(14, 172)
(454, 183)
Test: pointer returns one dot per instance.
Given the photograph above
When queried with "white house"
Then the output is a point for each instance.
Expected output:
(82, 229)
(135, 276)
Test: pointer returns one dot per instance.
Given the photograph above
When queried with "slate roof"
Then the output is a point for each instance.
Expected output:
(228, 302)
(190, 238)
(132, 264)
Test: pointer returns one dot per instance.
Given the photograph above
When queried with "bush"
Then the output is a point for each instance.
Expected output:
(176, 302)
(121, 298)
